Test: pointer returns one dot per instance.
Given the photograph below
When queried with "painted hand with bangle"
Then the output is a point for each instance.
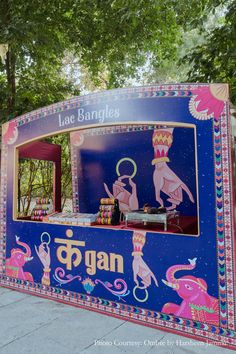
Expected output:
(127, 201)
(43, 253)
(141, 270)
(165, 180)
(142, 274)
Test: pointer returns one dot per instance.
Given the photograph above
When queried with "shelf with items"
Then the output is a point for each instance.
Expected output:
(109, 212)
(41, 209)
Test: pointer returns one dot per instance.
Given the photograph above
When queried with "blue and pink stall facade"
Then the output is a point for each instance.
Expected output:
(162, 145)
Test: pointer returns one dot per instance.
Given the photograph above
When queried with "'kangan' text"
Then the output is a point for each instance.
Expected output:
(69, 253)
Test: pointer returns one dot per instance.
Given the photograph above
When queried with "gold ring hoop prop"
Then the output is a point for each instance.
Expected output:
(49, 238)
(142, 288)
(126, 159)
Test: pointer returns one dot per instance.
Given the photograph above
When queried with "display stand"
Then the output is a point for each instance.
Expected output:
(165, 145)
(109, 212)
(41, 209)
(153, 218)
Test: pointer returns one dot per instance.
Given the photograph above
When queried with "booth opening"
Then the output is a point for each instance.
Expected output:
(125, 177)
(35, 177)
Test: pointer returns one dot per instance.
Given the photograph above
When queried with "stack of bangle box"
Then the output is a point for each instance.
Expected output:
(109, 213)
(41, 209)
(81, 219)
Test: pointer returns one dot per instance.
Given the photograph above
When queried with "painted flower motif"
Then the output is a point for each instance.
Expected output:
(77, 138)
(208, 102)
(88, 285)
(9, 132)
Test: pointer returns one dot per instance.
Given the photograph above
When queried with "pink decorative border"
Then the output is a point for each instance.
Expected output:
(3, 207)
(228, 217)
(75, 190)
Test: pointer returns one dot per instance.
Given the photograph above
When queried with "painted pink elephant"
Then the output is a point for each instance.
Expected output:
(197, 304)
(15, 264)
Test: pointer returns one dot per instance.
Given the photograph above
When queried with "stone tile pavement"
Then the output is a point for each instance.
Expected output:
(31, 325)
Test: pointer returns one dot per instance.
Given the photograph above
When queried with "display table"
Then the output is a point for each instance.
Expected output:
(152, 218)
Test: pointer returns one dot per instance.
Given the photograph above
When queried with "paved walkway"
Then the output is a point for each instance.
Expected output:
(31, 325)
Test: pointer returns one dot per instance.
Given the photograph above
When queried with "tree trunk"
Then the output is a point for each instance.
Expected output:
(11, 80)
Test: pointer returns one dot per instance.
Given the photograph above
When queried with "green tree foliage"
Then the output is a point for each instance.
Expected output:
(215, 59)
(66, 179)
(31, 75)
(111, 38)
(35, 180)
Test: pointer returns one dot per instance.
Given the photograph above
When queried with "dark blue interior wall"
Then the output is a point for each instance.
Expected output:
(100, 154)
